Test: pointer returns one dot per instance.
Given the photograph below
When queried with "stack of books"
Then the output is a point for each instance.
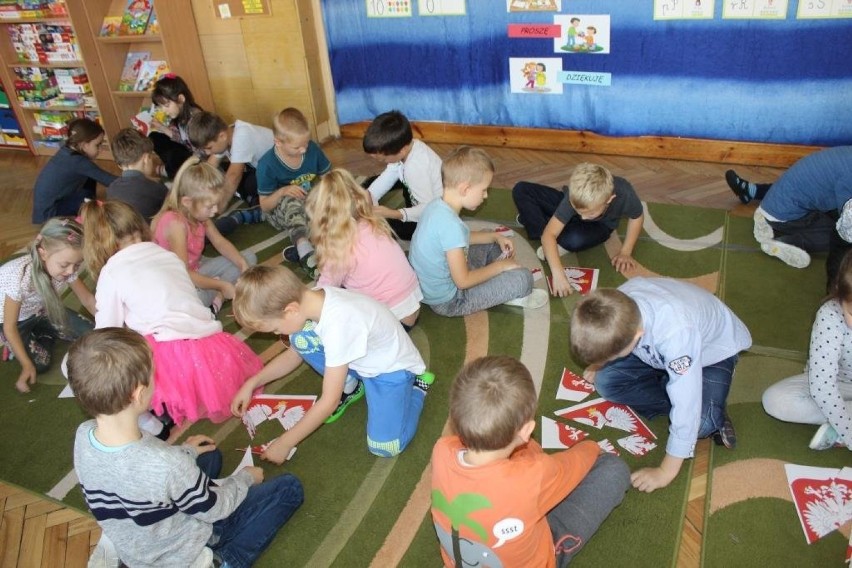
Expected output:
(44, 43)
(25, 9)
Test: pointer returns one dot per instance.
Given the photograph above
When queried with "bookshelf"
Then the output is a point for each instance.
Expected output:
(43, 68)
(176, 43)
(11, 133)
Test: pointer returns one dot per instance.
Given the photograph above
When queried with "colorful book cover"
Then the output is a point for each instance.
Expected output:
(149, 73)
(136, 16)
(111, 26)
(153, 25)
(132, 66)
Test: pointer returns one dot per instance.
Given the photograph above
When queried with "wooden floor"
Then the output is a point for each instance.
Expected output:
(37, 532)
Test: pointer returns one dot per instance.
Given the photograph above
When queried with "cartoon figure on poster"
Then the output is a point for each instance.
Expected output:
(535, 76)
(589, 33)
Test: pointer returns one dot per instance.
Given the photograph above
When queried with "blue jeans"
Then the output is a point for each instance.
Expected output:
(633, 382)
(243, 535)
(393, 403)
(39, 335)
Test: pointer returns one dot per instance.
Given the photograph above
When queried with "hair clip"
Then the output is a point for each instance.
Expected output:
(169, 76)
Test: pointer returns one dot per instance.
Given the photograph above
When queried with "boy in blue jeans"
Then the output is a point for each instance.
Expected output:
(158, 505)
(662, 346)
(463, 271)
(355, 343)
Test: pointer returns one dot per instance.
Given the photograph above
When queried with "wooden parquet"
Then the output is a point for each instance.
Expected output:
(38, 532)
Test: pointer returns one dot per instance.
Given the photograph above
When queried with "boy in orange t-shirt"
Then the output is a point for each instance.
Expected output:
(496, 495)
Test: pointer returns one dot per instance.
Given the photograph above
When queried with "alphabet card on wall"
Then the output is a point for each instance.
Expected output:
(684, 9)
(814, 9)
(754, 10)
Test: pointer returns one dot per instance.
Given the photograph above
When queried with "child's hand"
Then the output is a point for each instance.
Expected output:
(506, 245)
(623, 262)
(561, 286)
(227, 289)
(293, 191)
(276, 452)
(27, 377)
(201, 443)
(242, 399)
(386, 212)
(589, 375)
(651, 478)
(256, 474)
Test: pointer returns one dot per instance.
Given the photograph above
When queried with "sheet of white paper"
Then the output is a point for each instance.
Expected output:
(66, 392)
(247, 461)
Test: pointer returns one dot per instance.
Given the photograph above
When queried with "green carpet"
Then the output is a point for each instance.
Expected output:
(354, 500)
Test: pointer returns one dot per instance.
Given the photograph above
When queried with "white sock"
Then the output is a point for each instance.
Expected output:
(304, 248)
(350, 385)
(150, 423)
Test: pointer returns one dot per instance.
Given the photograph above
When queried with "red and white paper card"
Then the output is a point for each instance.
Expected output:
(607, 446)
(822, 496)
(573, 387)
(257, 450)
(636, 444)
(558, 436)
(288, 409)
(537, 274)
(582, 280)
(598, 413)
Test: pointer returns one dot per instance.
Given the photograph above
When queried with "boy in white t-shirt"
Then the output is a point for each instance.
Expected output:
(389, 140)
(353, 341)
(237, 148)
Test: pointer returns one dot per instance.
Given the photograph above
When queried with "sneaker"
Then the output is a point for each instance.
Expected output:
(290, 254)
(536, 299)
(790, 255)
(424, 381)
(345, 401)
(762, 229)
(826, 437)
(539, 252)
(247, 216)
(309, 264)
(738, 185)
(726, 435)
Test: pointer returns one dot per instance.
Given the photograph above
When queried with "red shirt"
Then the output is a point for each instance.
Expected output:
(509, 497)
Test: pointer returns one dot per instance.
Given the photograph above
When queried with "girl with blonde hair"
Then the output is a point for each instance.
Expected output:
(185, 221)
(355, 247)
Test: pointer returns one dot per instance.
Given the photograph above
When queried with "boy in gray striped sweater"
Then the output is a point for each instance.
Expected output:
(160, 505)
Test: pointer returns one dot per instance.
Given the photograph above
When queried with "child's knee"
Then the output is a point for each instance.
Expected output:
(775, 403)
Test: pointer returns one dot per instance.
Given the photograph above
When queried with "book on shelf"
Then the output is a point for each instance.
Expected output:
(153, 24)
(149, 73)
(135, 17)
(111, 26)
(132, 66)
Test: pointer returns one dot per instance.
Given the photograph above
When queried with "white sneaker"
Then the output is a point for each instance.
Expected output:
(762, 230)
(826, 437)
(539, 252)
(536, 299)
(793, 256)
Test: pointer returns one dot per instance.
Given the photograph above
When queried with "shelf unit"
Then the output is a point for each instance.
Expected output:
(26, 111)
(177, 43)
(11, 132)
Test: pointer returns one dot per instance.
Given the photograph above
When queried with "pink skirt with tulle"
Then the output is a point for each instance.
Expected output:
(198, 378)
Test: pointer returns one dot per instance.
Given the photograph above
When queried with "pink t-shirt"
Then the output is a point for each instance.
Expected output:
(378, 269)
(194, 236)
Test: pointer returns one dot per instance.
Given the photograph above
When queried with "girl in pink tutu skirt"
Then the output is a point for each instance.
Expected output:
(197, 367)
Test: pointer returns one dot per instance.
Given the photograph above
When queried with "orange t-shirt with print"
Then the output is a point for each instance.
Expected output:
(500, 507)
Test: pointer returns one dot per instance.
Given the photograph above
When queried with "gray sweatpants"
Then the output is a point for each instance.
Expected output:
(223, 269)
(502, 288)
(574, 520)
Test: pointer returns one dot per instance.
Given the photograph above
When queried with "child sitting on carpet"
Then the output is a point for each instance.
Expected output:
(185, 221)
(147, 288)
(389, 140)
(353, 341)
(33, 313)
(356, 249)
(285, 174)
(135, 155)
(463, 271)
(171, 141)
(662, 346)
(534, 509)
(823, 394)
(584, 214)
(158, 505)
(71, 175)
